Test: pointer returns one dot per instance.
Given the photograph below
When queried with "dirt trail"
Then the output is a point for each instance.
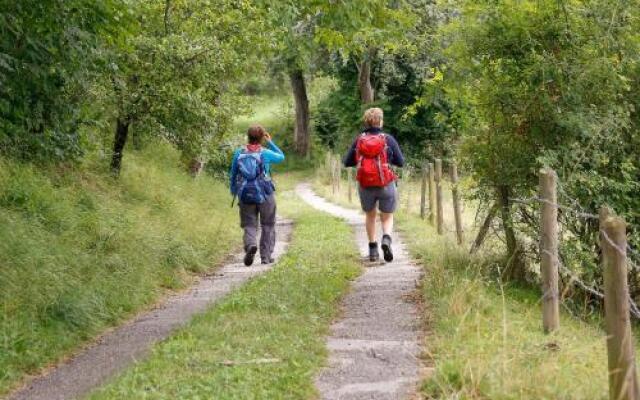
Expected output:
(375, 346)
(132, 341)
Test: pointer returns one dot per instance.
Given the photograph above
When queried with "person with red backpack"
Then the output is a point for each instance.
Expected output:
(373, 152)
(251, 183)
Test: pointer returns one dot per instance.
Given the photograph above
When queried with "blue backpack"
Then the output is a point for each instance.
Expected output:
(253, 186)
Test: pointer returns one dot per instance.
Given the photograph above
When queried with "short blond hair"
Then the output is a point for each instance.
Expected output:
(373, 118)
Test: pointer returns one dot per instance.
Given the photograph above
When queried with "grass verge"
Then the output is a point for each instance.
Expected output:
(282, 315)
(485, 339)
(80, 251)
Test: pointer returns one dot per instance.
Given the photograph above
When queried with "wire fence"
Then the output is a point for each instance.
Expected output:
(580, 212)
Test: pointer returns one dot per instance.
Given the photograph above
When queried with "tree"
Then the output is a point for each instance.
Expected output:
(542, 82)
(50, 53)
(359, 31)
(294, 25)
(403, 78)
(172, 74)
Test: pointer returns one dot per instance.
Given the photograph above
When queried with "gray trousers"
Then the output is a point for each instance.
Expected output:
(264, 215)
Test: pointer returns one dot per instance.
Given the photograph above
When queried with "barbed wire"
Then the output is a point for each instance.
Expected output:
(621, 251)
(583, 214)
(532, 200)
(634, 309)
(575, 202)
(574, 278)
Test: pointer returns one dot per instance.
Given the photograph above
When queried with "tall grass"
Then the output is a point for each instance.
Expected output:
(486, 339)
(80, 251)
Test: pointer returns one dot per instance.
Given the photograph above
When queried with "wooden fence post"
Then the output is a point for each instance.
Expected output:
(456, 203)
(432, 195)
(333, 176)
(338, 173)
(350, 183)
(439, 212)
(406, 176)
(423, 192)
(549, 251)
(328, 163)
(623, 379)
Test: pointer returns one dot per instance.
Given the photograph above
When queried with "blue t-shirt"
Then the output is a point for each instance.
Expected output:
(271, 155)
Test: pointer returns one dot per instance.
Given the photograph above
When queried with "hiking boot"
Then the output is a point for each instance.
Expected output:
(373, 252)
(249, 255)
(386, 248)
(269, 260)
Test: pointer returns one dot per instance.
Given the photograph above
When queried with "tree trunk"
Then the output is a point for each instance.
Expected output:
(515, 268)
(195, 167)
(364, 82)
(122, 132)
(484, 229)
(301, 132)
(167, 11)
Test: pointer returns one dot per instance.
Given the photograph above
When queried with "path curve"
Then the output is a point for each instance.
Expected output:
(375, 345)
(133, 341)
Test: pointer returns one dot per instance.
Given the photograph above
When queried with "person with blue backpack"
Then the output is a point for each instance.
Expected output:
(251, 183)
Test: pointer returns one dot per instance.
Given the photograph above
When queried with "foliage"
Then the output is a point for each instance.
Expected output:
(49, 53)
(549, 83)
(168, 66)
(354, 30)
(172, 78)
(419, 115)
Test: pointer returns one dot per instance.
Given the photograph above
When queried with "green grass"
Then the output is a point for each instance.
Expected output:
(80, 251)
(281, 315)
(485, 339)
(486, 345)
(268, 111)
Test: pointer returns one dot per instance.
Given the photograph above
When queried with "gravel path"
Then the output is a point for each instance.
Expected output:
(132, 341)
(375, 345)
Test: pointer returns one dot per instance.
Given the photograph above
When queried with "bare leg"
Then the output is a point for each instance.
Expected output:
(387, 223)
(371, 225)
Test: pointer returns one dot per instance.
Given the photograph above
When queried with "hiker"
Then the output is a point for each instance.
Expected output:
(373, 152)
(251, 182)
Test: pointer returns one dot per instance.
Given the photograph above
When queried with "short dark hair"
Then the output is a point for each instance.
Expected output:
(255, 134)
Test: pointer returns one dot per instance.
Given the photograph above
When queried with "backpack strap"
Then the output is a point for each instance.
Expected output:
(260, 159)
(358, 155)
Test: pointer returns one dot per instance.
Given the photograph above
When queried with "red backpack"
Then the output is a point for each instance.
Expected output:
(373, 165)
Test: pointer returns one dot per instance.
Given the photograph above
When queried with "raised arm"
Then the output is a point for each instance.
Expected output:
(273, 153)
